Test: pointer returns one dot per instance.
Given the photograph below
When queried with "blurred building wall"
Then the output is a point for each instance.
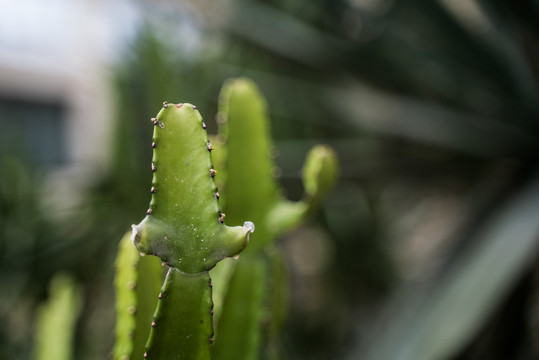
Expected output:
(55, 88)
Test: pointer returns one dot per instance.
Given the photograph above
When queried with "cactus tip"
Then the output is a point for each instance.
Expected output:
(249, 225)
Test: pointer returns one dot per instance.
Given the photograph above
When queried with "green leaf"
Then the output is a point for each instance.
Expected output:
(454, 308)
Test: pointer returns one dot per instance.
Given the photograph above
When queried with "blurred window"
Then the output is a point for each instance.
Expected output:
(38, 130)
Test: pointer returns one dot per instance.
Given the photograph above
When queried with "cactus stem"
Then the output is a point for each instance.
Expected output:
(131, 310)
(209, 146)
(204, 125)
(213, 172)
(152, 190)
(165, 104)
(131, 285)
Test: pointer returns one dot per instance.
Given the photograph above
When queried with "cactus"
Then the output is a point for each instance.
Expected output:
(185, 229)
(137, 285)
(256, 285)
(56, 320)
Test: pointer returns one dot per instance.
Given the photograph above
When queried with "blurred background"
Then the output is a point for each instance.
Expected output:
(427, 247)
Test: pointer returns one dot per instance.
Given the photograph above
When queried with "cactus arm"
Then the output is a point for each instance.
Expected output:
(285, 215)
(149, 280)
(220, 277)
(238, 333)
(57, 319)
(278, 296)
(126, 299)
(249, 184)
(320, 172)
(319, 175)
(184, 225)
(182, 326)
(137, 283)
(251, 189)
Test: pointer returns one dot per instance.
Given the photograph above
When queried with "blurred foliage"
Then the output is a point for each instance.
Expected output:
(432, 107)
(56, 319)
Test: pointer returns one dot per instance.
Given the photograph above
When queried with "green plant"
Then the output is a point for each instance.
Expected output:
(254, 285)
(56, 320)
(185, 228)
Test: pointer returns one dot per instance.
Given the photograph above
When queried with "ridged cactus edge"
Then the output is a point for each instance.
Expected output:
(184, 225)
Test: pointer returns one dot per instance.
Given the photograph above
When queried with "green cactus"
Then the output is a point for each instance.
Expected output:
(137, 285)
(257, 280)
(184, 226)
(185, 229)
(56, 320)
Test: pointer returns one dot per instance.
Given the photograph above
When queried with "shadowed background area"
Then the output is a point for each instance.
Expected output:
(425, 249)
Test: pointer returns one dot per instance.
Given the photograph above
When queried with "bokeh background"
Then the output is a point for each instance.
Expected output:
(427, 247)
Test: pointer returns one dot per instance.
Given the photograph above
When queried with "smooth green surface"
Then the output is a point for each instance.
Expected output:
(249, 184)
(220, 277)
(320, 173)
(182, 226)
(149, 280)
(277, 289)
(182, 326)
(244, 311)
(56, 320)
